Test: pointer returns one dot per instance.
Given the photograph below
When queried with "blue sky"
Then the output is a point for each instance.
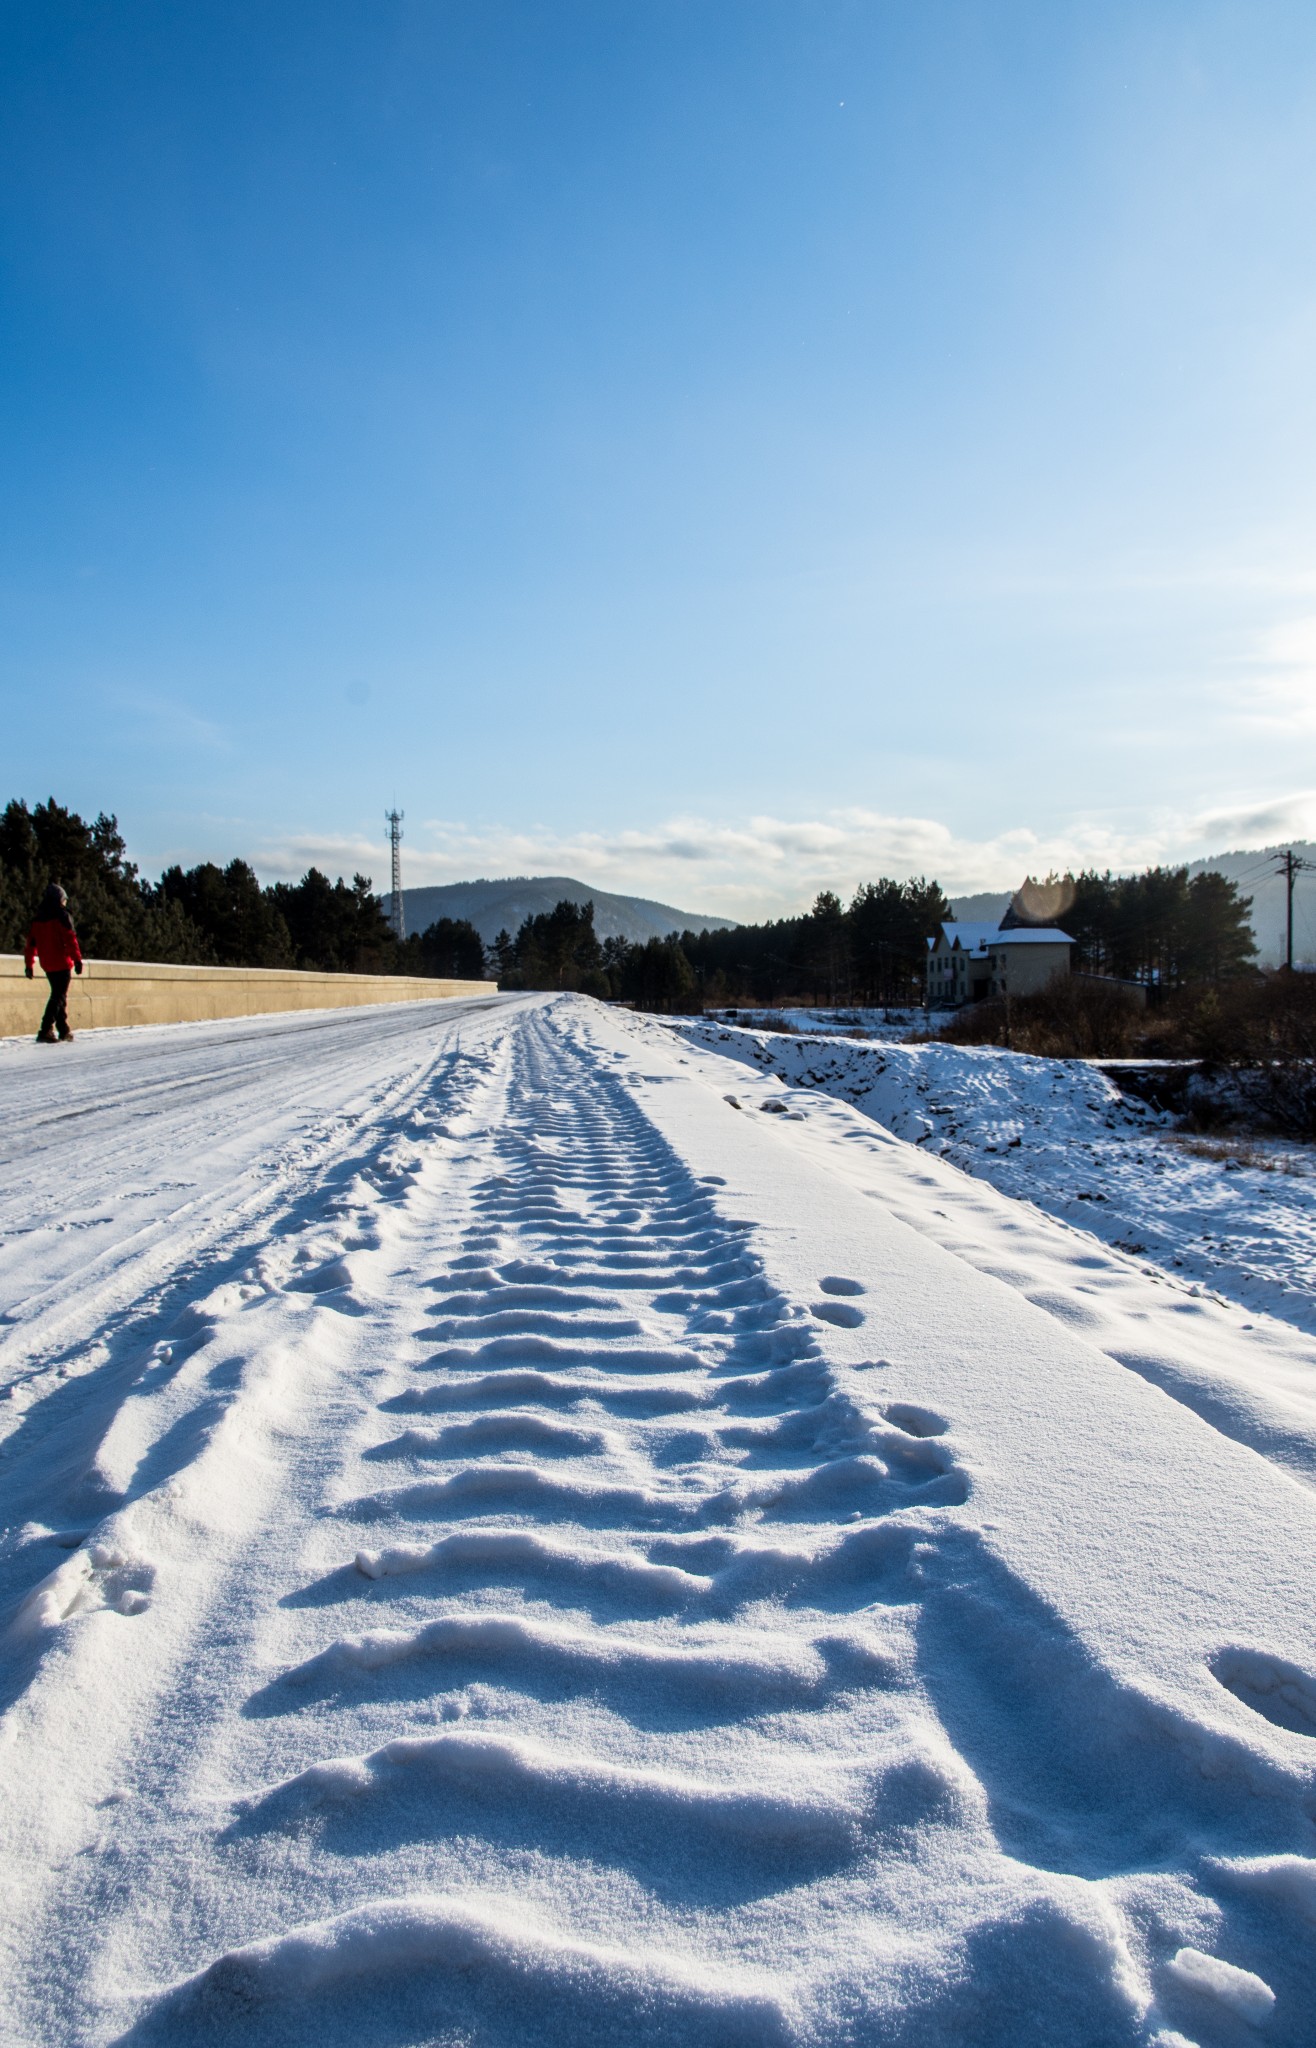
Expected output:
(716, 449)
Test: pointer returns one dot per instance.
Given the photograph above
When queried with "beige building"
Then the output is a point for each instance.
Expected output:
(969, 962)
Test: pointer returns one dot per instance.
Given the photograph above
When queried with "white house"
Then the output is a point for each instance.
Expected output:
(969, 962)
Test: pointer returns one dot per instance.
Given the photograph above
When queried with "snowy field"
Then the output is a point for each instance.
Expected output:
(522, 1529)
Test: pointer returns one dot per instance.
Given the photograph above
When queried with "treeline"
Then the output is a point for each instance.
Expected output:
(871, 951)
(207, 915)
(1159, 927)
(560, 949)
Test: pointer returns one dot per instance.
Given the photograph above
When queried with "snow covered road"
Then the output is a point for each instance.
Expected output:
(143, 1148)
(522, 1548)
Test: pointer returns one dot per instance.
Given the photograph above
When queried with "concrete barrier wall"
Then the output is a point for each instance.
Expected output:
(141, 992)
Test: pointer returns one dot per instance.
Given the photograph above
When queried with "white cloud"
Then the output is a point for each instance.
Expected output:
(1258, 824)
(1279, 685)
(335, 854)
(763, 866)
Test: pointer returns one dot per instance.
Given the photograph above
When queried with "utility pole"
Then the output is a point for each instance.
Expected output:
(1291, 865)
(397, 915)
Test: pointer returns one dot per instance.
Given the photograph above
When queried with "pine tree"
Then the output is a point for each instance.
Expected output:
(659, 977)
(239, 920)
(452, 948)
(559, 949)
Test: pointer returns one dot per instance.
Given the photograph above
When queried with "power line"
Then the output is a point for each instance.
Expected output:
(1290, 866)
(1252, 874)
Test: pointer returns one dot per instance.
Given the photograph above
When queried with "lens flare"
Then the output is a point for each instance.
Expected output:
(1044, 902)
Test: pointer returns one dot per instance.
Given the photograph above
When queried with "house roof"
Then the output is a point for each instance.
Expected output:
(968, 935)
(975, 937)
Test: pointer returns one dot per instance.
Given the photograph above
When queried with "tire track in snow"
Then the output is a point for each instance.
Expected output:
(627, 1548)
(176, 1460)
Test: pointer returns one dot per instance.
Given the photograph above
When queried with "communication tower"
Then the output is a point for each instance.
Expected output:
(396, 915)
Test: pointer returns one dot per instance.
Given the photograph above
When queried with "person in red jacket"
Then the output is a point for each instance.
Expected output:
(52, 940)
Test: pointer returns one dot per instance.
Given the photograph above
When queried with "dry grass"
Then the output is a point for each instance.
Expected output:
(758, 1020)
(1239, 1152)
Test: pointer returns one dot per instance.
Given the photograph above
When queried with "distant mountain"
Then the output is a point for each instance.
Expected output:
(1252, 869)
(503, 906)
(992, 903)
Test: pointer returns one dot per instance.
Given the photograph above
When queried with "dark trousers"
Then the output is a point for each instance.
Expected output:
(56, 1018)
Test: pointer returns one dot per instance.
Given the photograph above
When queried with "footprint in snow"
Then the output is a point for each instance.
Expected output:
(839, 1313)
(915, 1421)
(1282, 1693)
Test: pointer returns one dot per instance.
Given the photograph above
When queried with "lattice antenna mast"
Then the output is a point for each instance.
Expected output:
(396, 915)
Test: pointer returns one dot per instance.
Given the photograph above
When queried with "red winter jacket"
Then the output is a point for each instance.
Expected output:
(53, 941)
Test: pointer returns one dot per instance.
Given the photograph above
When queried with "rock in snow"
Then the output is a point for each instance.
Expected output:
(504, 1544)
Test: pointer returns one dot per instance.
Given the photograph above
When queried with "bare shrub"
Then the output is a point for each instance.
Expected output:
(1239, 1151)
(770, 1020)
(1073, 1017)
(1254, 1037)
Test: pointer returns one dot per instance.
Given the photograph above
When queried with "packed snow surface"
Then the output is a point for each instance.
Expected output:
(1060, 1134)
(522, 1529)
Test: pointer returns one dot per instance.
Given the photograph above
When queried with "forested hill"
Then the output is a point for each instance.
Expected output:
(1253, 871)
(493, 907)
(981, 909)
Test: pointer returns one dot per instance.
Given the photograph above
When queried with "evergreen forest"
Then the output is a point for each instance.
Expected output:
(1160, 928)
(207, 915)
